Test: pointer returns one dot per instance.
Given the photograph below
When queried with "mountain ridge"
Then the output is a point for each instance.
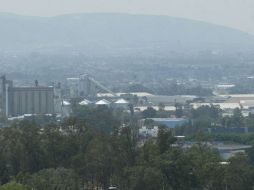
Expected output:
(111, 32)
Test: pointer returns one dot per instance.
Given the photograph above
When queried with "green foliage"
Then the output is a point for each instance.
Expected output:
(55, 179)
(149, 113)
(165, 139)
(211, 117)
(202, 118)
(141, 177)
(72, 155)
(3, 118)
(100, 118)
(175, 169)
(237, 120)
(249, 121)
(210, 112)
(13, 186)
(239, 173)
(204, 160)
(247, 138)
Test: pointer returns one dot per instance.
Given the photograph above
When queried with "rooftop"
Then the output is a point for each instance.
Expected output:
(121, 101)
(85, 102)
(102, 102)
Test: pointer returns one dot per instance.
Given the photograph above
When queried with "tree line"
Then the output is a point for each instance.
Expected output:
(91, 150)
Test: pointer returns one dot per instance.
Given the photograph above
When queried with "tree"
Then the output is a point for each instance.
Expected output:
(161, 106)
(237, 118)
(14, 186)
(176, 169)
(4, 173)
(39, 157)
(149, 113)
(148, 178)
(249, 121)
(239, 173)
(55, 179)
(3, 118)
(99, 119)
(99, 162)
(12, 152)
(211, 112)
(179, 110)
(165, 139)
(32, 151)
(205, 117)
(204, 162)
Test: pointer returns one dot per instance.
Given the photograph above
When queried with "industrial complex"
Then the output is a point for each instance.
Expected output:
(17, 101)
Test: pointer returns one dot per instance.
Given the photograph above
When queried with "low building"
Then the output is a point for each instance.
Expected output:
(170, 123)
(157, 108)
(229, 150)
(237, 98)
(121, 103)
(138, 94)
(226, 151)
(85, 102)
(145, 132)
(66, 108)
(223, 106)
(170, 100)
(73, 86)
(103, 102)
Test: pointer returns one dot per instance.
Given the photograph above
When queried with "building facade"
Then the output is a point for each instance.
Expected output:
(87, 87)
(16, 101)
(31, 100)
(4, 97)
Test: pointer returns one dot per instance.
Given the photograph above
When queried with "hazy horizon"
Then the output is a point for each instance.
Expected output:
(234, 13)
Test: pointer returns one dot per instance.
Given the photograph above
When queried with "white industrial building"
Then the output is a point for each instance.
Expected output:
(103, 102)
(85, 102)
(121, 103)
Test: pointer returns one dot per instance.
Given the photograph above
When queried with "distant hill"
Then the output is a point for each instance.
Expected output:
(116, 34)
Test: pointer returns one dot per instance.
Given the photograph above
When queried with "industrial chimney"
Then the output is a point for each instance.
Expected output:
(36, 83)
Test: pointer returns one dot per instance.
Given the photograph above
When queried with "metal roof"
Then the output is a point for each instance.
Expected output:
(102, 102)
(85, 102)
(66, 103)
(121, 101)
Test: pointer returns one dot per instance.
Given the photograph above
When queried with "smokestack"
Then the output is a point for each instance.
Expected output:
(36, 83)
(58, 85)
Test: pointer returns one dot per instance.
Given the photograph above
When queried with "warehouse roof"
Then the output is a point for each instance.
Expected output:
(102, 102)
(85, 102)
(121, 101)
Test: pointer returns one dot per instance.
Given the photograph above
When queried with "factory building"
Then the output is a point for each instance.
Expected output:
(31, 100)
(16, 101)
(81, 87)
(4, 101)
(85, 87)
(73, 86)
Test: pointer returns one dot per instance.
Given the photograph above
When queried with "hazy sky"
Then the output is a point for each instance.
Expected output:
(234, 13)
